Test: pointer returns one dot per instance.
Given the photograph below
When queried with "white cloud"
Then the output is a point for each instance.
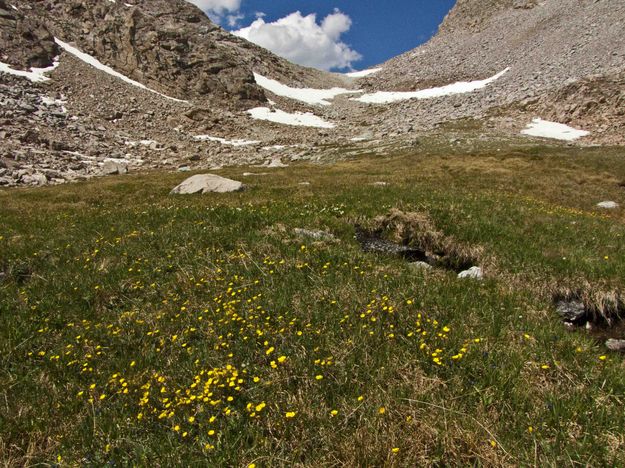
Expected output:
(217, 6)
(233, 20)
(301, 40)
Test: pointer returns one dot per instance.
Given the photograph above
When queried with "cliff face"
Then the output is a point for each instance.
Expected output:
(24, 41)
(168, 45)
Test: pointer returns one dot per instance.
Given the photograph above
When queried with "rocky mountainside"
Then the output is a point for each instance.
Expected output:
(141, 84)
(552, 47)
(168, 45)
(184, 76)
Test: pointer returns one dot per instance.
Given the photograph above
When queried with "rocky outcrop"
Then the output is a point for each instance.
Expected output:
(595, 101)
(168, 45)
(25, 41)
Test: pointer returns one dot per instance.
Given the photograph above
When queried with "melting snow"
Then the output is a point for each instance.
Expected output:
(385, 97)
(307, 119)
(223, 141)
(307, 95)
(106, 69)
(363, 73)
(36, 75)
(558, 131)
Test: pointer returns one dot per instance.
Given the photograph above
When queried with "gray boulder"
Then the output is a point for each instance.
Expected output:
(472, 273)
(608, 205)
(34, 179)
(206, 183)
(571, 311)
(615, 345)
(112, 167)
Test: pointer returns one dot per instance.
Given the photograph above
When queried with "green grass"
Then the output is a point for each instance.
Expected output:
(132, 323)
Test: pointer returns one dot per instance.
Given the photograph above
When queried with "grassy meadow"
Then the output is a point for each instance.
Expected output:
(137, 328)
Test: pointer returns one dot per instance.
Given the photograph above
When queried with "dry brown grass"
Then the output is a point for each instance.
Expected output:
(605, 307)
(417, 230)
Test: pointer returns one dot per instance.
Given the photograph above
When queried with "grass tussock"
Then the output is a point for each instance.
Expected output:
(416, 230)
(602, 307)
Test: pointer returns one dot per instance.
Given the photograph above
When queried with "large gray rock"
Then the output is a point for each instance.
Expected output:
(206, 183)
(608, 205)
(34, 179)
(472, 273)
(112, 167)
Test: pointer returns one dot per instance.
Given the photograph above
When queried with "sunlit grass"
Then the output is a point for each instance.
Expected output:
(142, 328)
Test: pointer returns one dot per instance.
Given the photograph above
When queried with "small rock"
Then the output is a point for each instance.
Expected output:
(420, 266)
(304, 183)
(472, 273)
(380, 184)
(205, 183)
(571, 311)
(111, 167)
(184, 169)
(615, 345)
(277, 163)
(608, 205)
(34, 179)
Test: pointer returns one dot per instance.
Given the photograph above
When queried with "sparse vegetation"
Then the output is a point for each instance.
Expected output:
(141, 328)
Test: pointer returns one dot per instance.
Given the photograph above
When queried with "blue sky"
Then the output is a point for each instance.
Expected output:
(374, 29)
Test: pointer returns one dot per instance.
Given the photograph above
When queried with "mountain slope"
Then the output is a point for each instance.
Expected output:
(548, 46)
(131, 81)
(168, 45)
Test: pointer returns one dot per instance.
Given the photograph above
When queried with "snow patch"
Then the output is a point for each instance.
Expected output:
(307, 95)
(461, 87)
(223, 141)
(301, 119)
(134, 144)
(94, 62)
(36, 75)
(558, 131)
(363, 73)
(274, 147)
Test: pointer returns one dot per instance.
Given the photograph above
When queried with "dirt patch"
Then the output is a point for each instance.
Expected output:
(414, 236)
